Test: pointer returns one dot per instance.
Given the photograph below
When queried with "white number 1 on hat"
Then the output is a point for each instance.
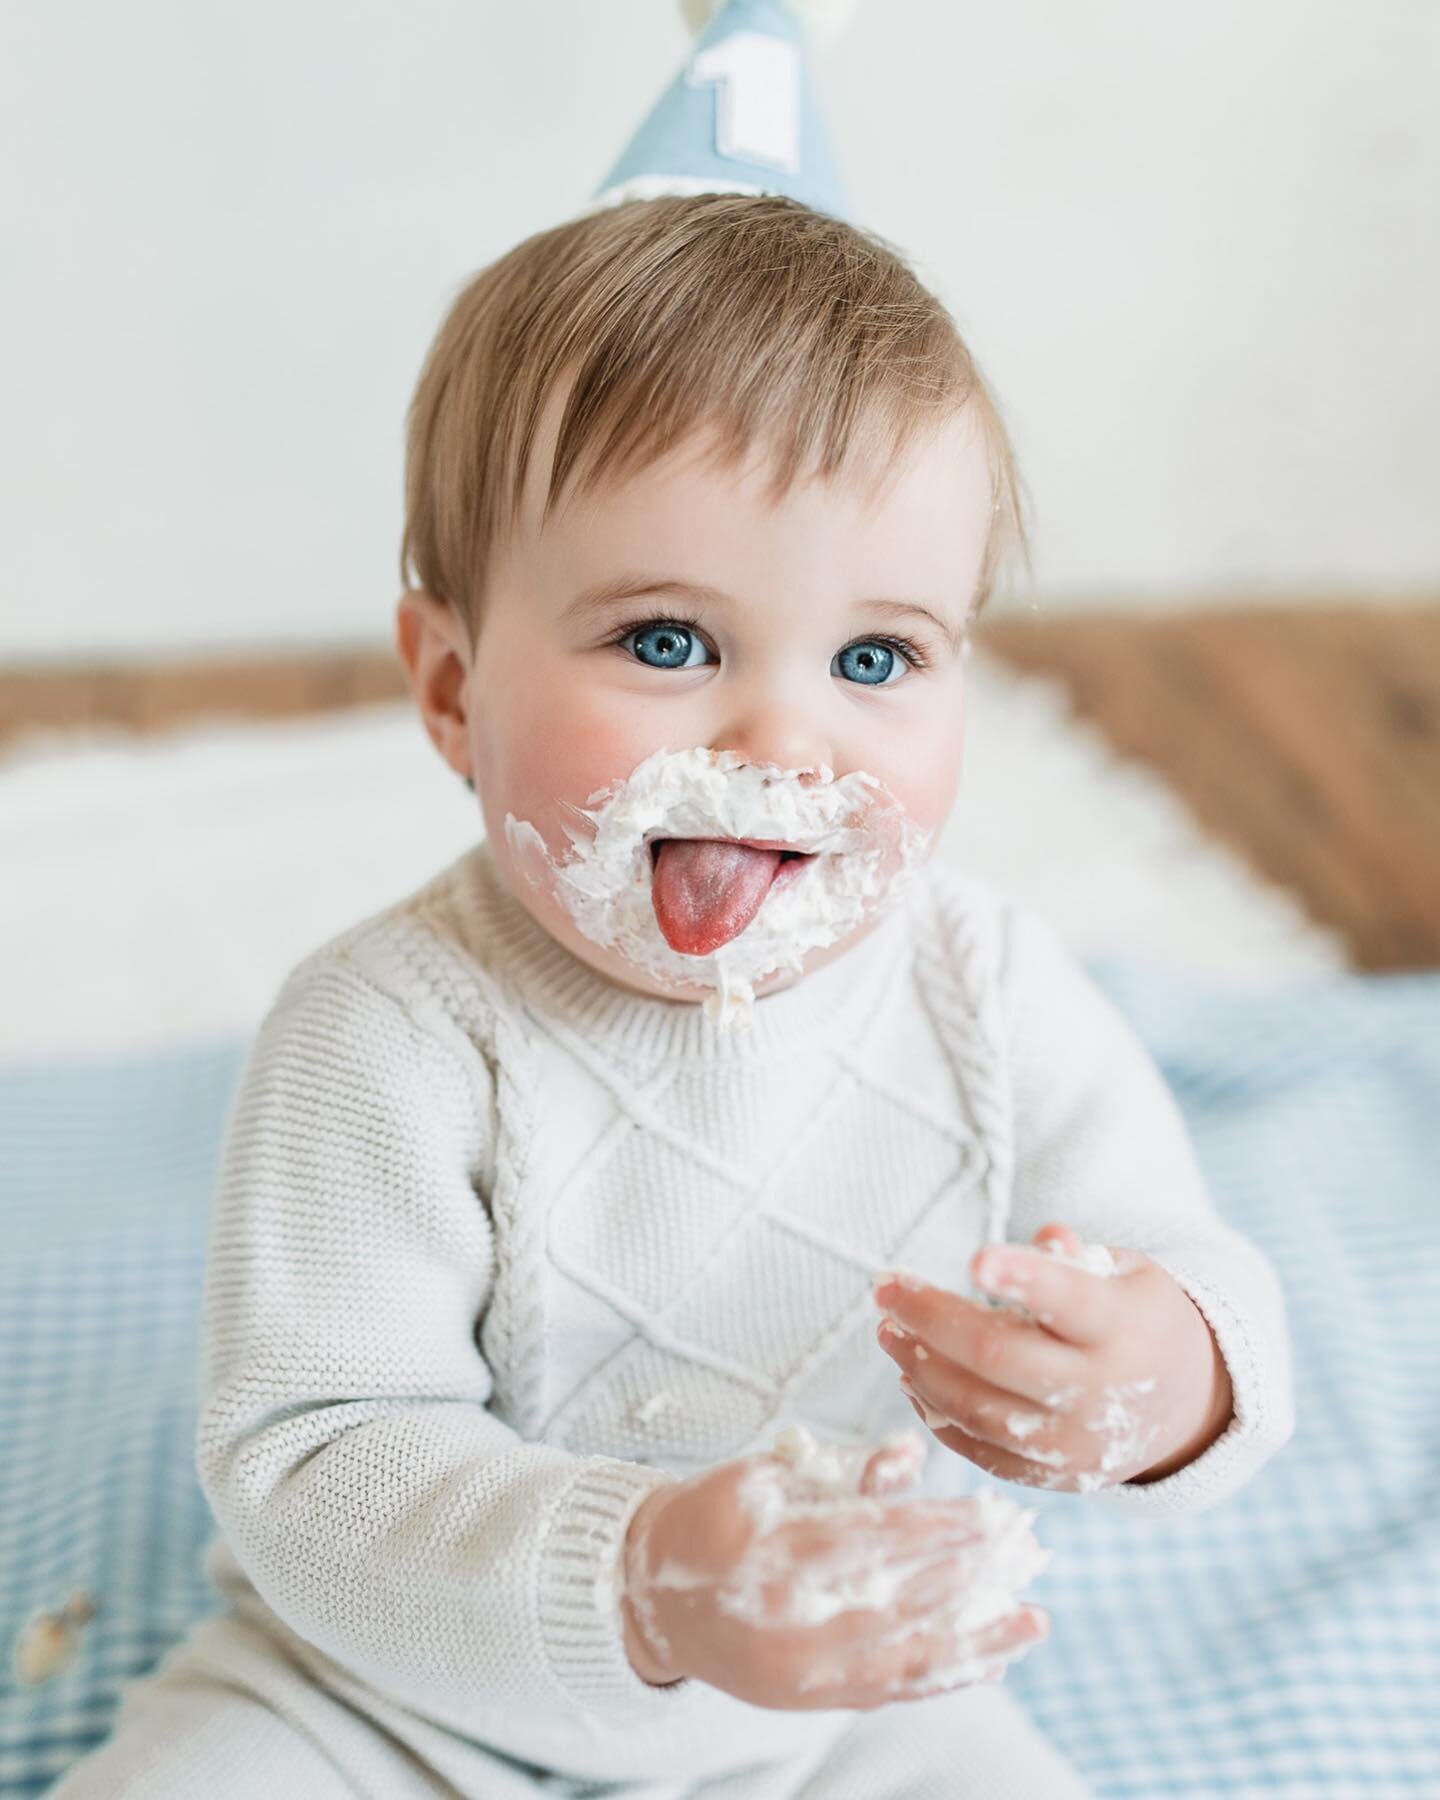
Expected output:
(757, 100)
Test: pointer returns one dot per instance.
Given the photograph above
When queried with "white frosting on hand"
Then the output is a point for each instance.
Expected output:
(973, 1578)
(1094, 1259)
(811, 1477)
(867, 852)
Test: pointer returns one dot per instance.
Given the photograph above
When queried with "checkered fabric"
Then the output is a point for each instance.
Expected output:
(1286, 1643)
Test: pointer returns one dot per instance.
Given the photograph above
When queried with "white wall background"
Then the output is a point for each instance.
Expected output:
(1196, 248)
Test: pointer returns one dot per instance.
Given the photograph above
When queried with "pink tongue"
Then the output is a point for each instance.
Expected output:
(706, 891)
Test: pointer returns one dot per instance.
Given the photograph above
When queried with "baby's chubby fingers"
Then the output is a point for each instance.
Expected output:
(1009, 1353)
(1038, 1468)
(947, 1396)
(938, 1660)
(1068, 1302)
(895, 1465)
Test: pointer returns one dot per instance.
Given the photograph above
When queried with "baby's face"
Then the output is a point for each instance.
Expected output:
(788, 660)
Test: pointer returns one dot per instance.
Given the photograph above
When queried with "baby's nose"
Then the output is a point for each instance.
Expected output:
(782, 740)
(778, 765)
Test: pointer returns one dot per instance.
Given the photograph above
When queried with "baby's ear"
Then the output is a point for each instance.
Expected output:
(430, 642)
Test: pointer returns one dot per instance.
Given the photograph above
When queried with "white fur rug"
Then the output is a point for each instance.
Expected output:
(154, 890)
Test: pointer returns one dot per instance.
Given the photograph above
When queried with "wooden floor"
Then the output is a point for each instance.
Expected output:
(1309, 740)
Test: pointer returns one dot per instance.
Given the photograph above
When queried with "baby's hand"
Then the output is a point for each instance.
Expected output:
(737, 1578)
(1110, 1379)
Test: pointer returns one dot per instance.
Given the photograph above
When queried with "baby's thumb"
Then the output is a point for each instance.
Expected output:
(894, 1465)
(1059, 1237)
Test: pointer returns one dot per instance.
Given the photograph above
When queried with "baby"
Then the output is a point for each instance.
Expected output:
(596, 1227)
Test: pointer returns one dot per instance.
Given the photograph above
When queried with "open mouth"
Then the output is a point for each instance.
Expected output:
(705, 891)
(791, 866)
(786, 856)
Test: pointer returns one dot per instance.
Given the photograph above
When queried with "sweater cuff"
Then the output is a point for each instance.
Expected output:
(1263, 1417)
(580, 1577)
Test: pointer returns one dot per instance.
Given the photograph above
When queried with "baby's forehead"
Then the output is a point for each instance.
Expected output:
(908, 517)
(710, 465)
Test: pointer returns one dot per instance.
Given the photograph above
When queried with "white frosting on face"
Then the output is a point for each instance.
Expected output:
(867, 853)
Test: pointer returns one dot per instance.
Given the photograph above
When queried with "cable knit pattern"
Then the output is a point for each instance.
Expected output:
(958, 983)
(500, 1246)
(1101, 1143)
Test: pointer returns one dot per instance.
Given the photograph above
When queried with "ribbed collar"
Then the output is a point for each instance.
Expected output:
(832, 1002)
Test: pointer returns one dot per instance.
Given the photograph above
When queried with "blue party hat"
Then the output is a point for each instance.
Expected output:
(741, 116)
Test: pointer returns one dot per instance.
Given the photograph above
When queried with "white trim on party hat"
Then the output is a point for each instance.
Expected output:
(651, 187)
(741, 116)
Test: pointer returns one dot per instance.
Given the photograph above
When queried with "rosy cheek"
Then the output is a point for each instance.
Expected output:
(932, 780)
(923, 792)
(929, 803)
(548, 754)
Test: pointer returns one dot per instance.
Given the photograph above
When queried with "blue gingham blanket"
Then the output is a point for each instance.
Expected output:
(1286, 1643)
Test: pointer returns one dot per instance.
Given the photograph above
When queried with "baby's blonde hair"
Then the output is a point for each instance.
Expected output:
(774, 325)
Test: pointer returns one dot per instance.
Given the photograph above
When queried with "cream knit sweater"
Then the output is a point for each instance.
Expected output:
(499, 1246)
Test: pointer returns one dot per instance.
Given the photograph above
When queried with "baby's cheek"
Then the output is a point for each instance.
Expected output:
(926, 785)
(554, 757)
(929, 805)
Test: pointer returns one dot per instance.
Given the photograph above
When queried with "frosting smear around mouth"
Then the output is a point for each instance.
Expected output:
(665, 869)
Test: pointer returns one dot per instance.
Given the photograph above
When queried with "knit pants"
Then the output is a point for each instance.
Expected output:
(228, 1716)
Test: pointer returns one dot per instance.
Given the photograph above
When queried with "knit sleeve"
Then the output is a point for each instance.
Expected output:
(346, 1442)
(1101, 1145)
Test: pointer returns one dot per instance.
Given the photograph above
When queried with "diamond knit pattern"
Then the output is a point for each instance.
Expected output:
(729, 1220)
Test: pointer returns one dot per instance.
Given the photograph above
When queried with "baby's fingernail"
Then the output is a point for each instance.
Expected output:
(897, 1278)
(886, 1287)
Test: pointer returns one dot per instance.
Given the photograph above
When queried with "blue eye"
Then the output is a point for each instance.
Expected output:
(670, 641)
(869, 662)
(670, 644)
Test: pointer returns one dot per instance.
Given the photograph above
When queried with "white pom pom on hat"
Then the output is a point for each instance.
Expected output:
(741, 116)
(823, 19)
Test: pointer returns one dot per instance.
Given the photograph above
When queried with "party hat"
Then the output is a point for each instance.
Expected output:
(741, 116)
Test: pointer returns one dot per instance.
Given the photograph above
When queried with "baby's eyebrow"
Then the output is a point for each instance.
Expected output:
(596, 598)
(895, 609)
(629, 587)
